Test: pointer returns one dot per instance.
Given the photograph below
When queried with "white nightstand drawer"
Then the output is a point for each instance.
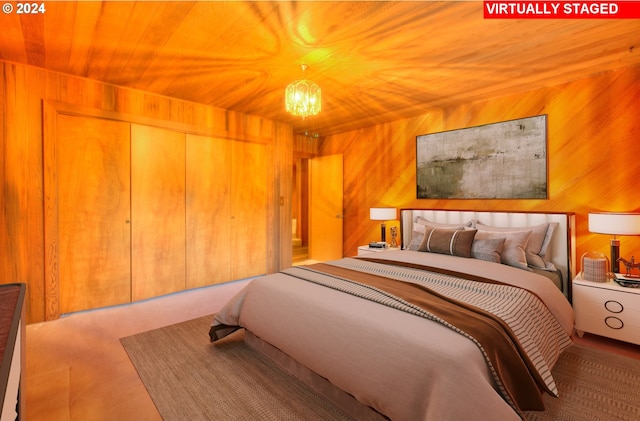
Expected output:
(607, 309)
(627, 300)
(629, 318)
(611, 327)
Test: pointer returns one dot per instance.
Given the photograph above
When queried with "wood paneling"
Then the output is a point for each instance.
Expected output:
(23, 189)
(208, 210)
(94, 210)
(593, 149)
(593, 145)
(249, 186)
(158, 261)
(227, 213)
(376, 61)
(32, 96)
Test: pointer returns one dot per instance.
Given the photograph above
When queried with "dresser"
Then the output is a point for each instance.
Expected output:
(12, 349)
(607, 309)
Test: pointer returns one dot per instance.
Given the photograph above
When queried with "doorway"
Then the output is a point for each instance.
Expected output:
(300, 210)
(317, 208)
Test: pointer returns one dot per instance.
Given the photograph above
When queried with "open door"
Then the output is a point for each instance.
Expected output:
(325, 207)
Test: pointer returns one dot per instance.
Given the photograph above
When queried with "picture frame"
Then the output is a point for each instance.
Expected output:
(504, 160)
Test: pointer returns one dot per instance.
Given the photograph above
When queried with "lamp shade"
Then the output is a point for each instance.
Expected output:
(614, 223)
(382, 214)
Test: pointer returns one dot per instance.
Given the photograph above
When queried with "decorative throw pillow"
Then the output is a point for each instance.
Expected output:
(538, 243)
(418, 230)
(489, 250)
(416, 236)
(447, 241)
(513, 249)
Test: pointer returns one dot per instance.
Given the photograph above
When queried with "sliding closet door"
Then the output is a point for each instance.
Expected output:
(93, 212)
(249, 185)
(157, 211)
(209, 240)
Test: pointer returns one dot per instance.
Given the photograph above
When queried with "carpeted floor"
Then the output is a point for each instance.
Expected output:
(189, 378)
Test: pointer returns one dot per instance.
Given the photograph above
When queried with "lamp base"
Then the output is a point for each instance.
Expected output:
(383, 233)
(615, 255)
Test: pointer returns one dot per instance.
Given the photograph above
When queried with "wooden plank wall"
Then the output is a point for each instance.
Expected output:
(593, 157)
(23, 89)
(593, 151)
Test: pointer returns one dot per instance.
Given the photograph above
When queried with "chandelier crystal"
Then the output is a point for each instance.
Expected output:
(303, 97)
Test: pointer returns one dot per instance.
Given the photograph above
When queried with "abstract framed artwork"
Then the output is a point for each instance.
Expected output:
(506, 160)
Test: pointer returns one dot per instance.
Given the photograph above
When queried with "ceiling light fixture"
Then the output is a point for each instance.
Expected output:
(303, 97)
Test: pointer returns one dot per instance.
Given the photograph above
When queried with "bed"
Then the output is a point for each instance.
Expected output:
(466, 321)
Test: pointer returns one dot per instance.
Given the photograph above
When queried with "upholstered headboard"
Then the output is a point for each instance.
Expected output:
(562, 247)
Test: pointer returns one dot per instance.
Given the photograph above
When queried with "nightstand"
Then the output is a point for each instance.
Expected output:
(607, 309)
(362, 250)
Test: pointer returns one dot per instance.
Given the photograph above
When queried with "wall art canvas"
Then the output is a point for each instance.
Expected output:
(506, 160)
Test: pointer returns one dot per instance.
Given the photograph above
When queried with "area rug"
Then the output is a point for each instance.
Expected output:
(188, 378)
(594, 385)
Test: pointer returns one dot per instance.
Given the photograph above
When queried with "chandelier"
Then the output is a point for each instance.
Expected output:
(303, 97)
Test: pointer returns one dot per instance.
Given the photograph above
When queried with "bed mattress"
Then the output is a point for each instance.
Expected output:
(399, 363)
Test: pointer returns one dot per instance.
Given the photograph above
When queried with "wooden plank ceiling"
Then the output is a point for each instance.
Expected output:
(375, 61)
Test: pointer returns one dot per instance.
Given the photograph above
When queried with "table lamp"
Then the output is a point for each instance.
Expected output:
(382, 214)
(614, 224)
